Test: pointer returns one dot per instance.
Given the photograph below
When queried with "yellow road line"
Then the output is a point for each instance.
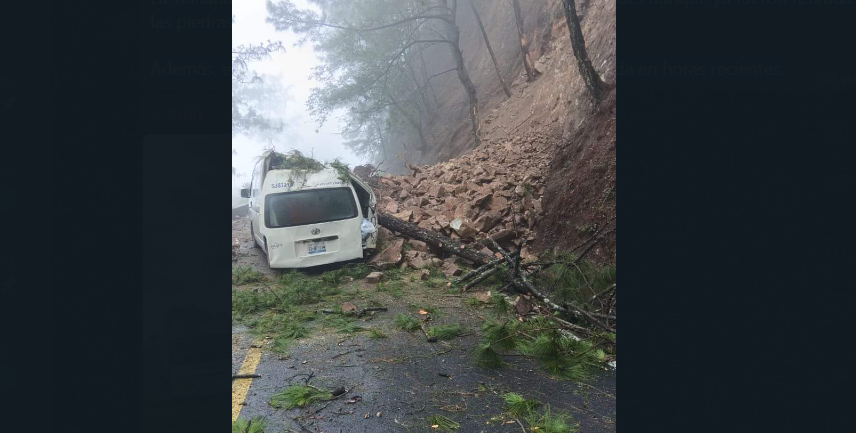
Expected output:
(240, 387)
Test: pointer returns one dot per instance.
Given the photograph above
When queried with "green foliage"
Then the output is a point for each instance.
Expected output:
(377, 333)
(549, 422)
(394, 274)
(517, 406)
(576, 283)
(250, 91)
(342, 170)
(442, 423)
(294, 160)
(406, 323)
(298, 396)
(546, 421)
(245, 275)
(369, 73)
(284, 328)
(255, 425)
(247, 302)
(394, 288)
(473, 302)
(356, 271)
(342, 323)
(485, 356)
(558, 354)
(297, 288)
(501, 335)
(563, 356)
(446, 332)
(501, 306)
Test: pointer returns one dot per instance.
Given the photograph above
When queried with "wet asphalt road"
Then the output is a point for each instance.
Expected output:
(400, 376)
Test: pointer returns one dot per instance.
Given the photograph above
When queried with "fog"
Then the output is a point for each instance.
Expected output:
(294, 65)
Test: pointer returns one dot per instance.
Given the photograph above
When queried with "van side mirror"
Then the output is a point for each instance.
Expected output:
(245, 193)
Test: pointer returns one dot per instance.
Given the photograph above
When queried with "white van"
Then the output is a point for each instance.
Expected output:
(303, 220)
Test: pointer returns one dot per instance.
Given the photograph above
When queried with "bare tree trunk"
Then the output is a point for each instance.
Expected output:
(489, 48)
(593, 81)
(417, 125)
(453, 34)
(382, 136)
(524, 44)
(417, 85)
(430, 84)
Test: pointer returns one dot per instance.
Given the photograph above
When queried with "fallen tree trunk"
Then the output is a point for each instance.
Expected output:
(432, 238)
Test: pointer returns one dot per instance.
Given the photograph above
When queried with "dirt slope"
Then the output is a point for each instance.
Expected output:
(580, 193)
(556, 100)
(547, 159)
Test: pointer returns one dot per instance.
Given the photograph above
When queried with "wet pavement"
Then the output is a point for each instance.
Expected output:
(405, 379)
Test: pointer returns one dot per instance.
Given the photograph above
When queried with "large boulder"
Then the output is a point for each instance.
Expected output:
(437, 190)
(498, 203)
(451, 270)
(487, 221)
(390, 256)
(464, 227)
(374, 277)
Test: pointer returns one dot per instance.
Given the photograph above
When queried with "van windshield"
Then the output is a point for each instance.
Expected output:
(309, 207)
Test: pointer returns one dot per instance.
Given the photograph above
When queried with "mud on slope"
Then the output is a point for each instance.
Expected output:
(580, 193)
(554, 103)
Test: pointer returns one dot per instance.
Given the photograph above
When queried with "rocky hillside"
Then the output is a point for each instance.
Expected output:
(545, 172)
(555, 100)
(495, 190)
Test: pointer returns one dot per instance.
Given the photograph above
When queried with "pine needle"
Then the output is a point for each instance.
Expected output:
(446, 332)
(486, 357)
(406, 323)
(549, 422)
(255, 425)
(298, 396)
(377, 333)
(517, 406)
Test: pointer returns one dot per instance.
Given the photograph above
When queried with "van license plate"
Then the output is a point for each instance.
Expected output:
(316, 247)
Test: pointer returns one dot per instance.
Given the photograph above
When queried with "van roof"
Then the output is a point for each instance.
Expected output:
(289, 180)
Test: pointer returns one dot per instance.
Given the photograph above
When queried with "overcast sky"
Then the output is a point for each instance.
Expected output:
(295, 65)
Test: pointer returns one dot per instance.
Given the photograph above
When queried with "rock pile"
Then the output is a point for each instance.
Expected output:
(495, 190)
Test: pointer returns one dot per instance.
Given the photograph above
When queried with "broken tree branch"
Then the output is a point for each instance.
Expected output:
(480, 278)
(521, 282)
(603, 292)
(479, 270)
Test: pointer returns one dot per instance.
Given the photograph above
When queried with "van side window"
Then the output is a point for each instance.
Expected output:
(256, 184)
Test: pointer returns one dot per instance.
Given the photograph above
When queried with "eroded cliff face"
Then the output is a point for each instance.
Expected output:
(556, 98)
(544, 174)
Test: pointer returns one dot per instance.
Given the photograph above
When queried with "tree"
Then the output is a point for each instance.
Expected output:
(245, 117)
(531, 73)
(489, 48)
(593, 81)
(453, 34)
(369, 50)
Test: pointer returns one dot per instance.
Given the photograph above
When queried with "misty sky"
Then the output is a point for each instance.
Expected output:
(295, 65)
